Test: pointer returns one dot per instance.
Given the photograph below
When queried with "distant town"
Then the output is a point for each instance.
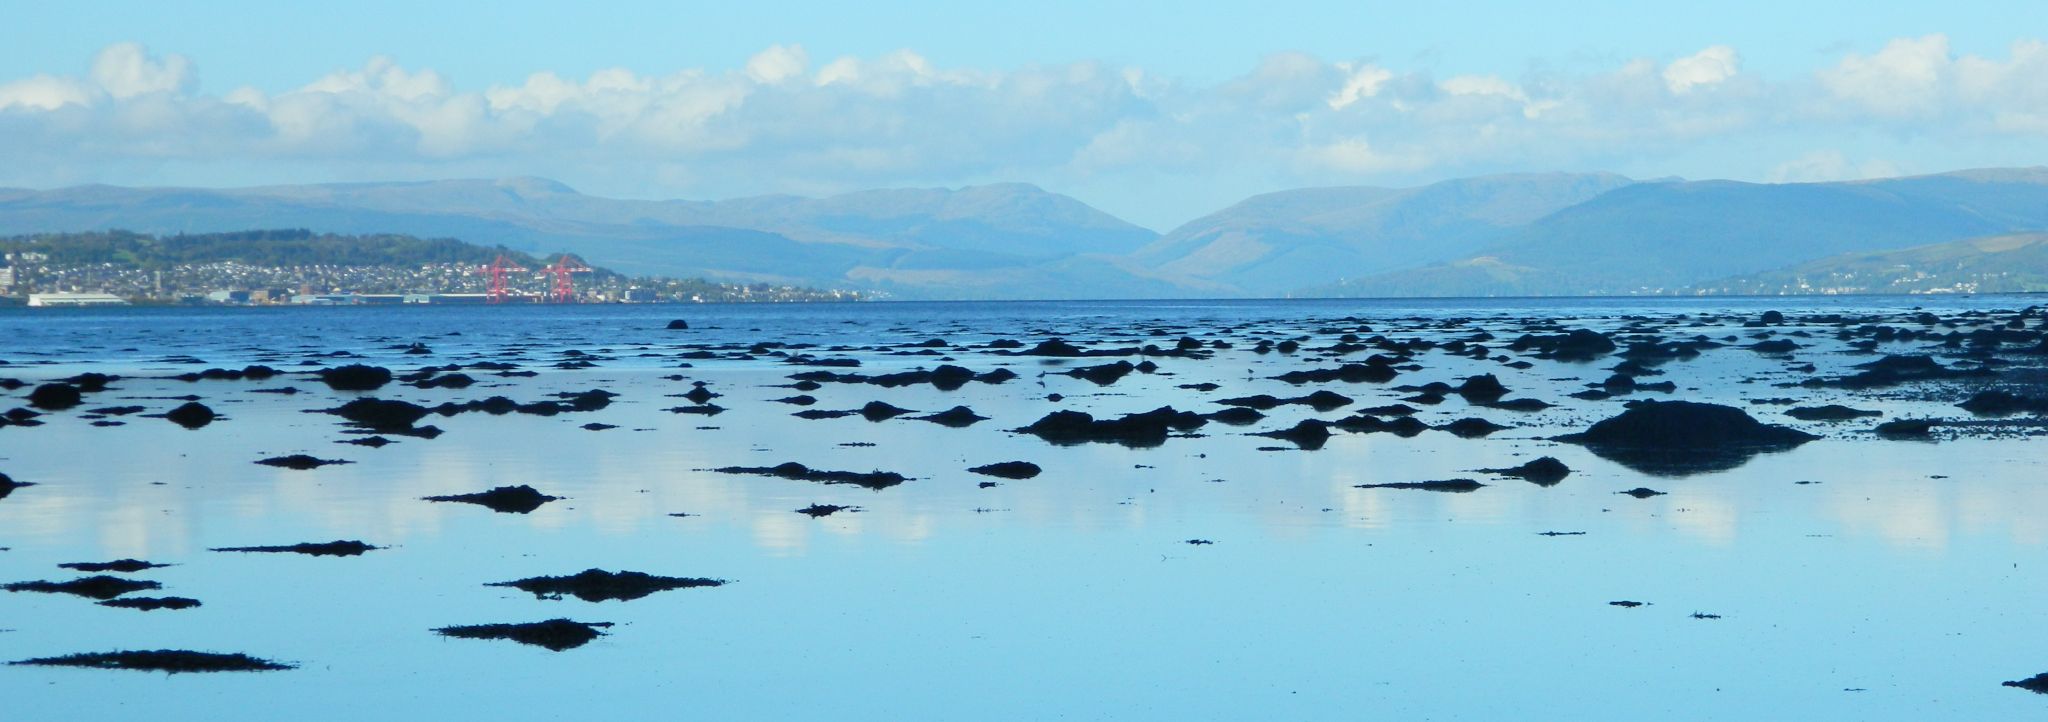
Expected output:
(119, 268)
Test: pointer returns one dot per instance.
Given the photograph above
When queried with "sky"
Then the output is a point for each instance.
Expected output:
(1157, 112)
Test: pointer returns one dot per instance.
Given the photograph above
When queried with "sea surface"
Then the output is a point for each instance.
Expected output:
(1854, 577)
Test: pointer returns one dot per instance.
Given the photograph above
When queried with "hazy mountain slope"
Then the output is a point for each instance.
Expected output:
(1996, 264)
(996, 231)
(1278, 242)
(1661, 237)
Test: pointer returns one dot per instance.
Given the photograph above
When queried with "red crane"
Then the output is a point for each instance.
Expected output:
(565, 284)
(498, 270)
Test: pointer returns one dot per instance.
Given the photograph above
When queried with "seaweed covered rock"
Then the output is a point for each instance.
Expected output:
(876, 480)
(55, 397)
(1830, 412)
(337, 548)
(1144, 429)
(191, 415)
(597, 585)
(554, 634)
(95, 587)
(1455, 486)
(1008, 470)
(1545, 471)
(381, 414)
(1676, 438)
(355, 377)
(170, 661)
(521, 499)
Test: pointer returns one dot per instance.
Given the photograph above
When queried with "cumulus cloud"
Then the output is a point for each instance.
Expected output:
(1703, 69)
(125, 70)
(778, 121)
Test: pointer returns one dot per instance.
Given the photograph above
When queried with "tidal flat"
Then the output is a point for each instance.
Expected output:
(1588, 508)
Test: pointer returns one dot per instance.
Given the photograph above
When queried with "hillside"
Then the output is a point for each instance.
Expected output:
(984, 238)
(1666, 237)
(1278, 242)
(2016, 263)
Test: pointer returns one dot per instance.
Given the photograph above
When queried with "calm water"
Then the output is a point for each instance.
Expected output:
(1905, 584)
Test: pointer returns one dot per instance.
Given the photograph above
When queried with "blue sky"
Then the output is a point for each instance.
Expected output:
(1149, 110)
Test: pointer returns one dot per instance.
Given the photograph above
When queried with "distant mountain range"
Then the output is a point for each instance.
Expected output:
(1532, 234)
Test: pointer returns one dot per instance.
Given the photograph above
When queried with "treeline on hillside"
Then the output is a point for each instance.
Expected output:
(274, 248)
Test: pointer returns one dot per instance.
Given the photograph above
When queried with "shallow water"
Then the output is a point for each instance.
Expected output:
(1904, 584)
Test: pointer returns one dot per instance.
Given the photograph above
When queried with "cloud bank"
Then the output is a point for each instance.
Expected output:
(783, 122)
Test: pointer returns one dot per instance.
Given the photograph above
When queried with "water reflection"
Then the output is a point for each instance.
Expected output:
(1072, 593)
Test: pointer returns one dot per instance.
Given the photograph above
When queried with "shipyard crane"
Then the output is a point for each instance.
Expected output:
(565, 284)
(498, 270)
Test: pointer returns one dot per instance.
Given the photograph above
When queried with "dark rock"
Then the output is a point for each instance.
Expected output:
(1626, 604)
(1775, 346)
(699, 395)
(1545, 471)
(595, 426)
(94, 587)
(2001, 403)
(1105, 374)
(1641, 492)
(339, 548)
(1482, 389)
(300, 462)
(1907, 428)
(1896, 370)
(170, 661)
(55, 397)
(374, 442)
(2038, 684)
(956, 417)
(381, 414)
(554, 634)
(191, 415)
(1308, 434)
(126, 566)
(1471, 427)
(879, 411)
(1458, 486)
(521, 499)
(678, 325)
(1577, 345)
(1830, 412)
(1375, 371)
(151, 604)
(700, 410)
(8, 485)
(1008, 470)
(1145, 429)
(355, 377)
(91, 382)
(1684, 437)
(876, 480)
(1236, 416)
(820, 511)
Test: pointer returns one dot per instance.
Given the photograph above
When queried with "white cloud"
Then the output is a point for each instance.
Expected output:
(43, 92)
(778, 63)
(1906, 78)
(126, 70)
(774, 122)
(1706, 68)
(1365, 82)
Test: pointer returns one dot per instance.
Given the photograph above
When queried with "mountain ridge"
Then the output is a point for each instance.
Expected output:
(1508, 234)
